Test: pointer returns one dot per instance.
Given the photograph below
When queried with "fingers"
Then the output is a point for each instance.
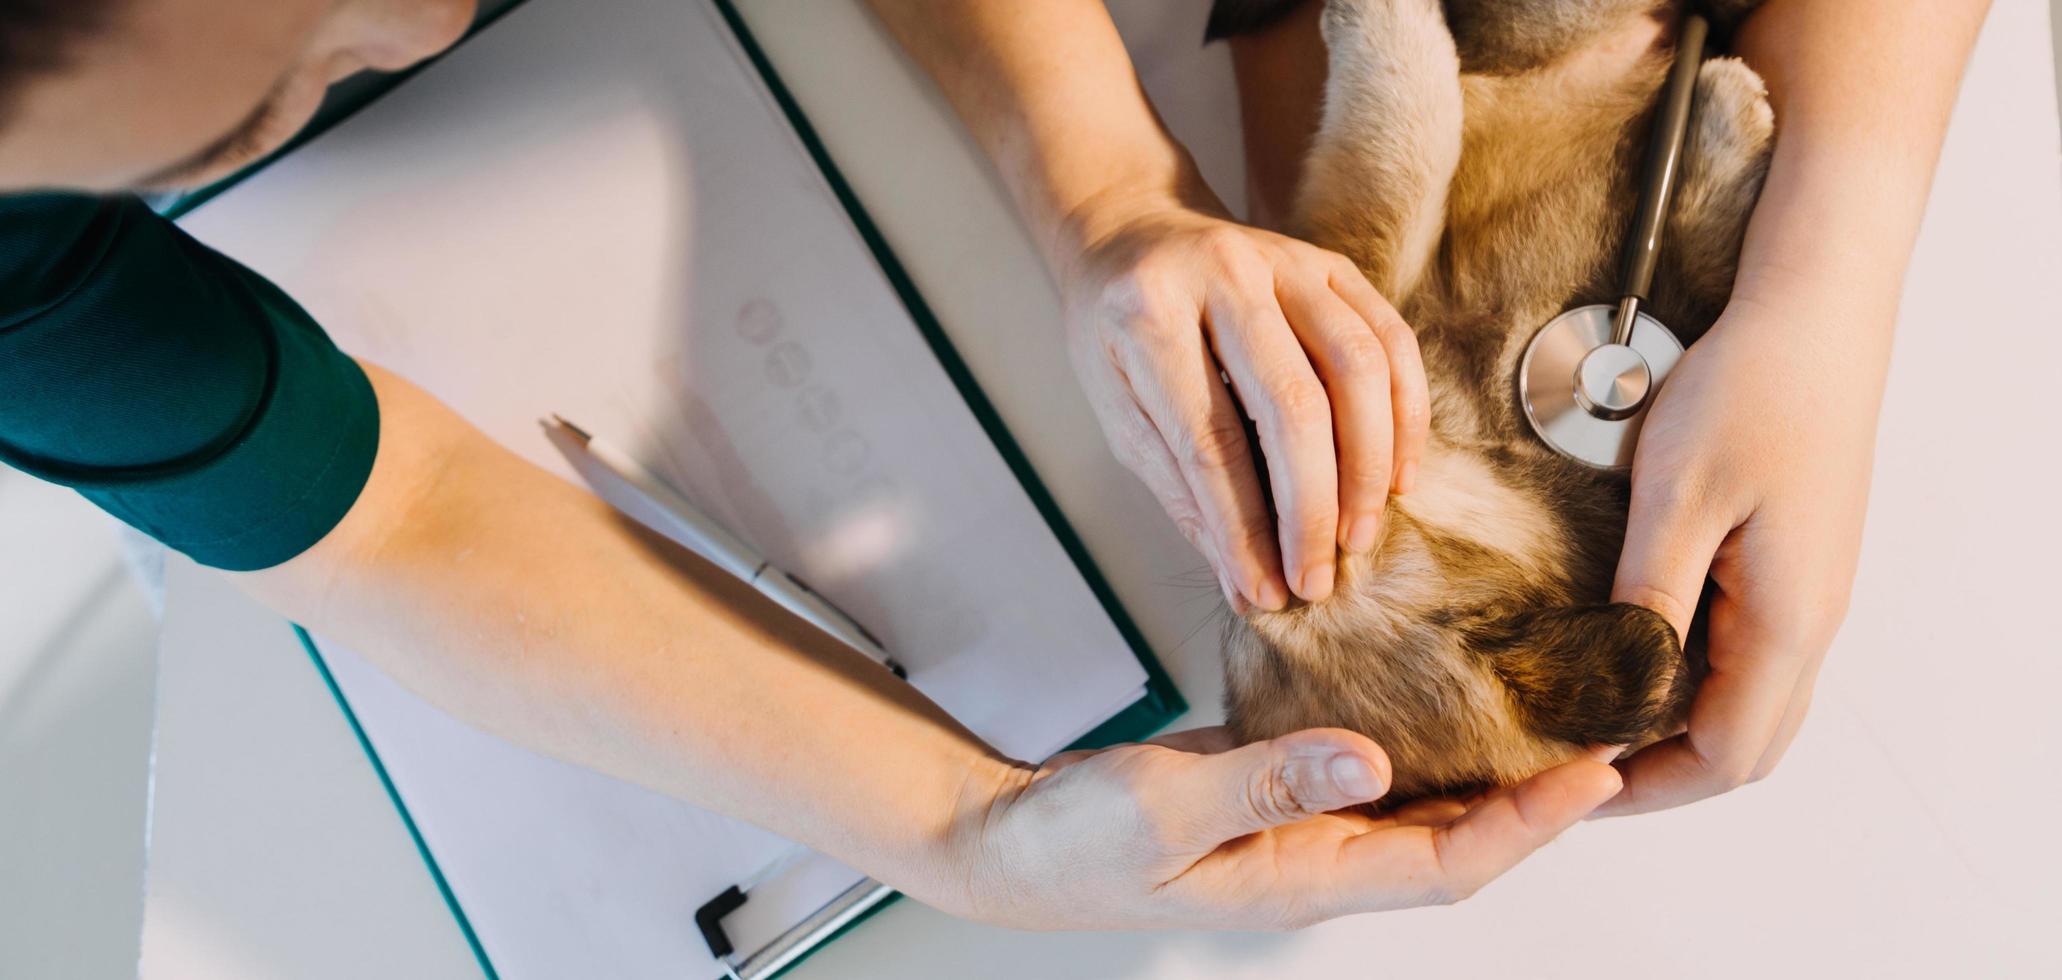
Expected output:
(1201, 458)
(1140, 447)
(1495, 835)
(1437, 811)
(1283, 780)
(1670, 538)
(1329, 374)
(1793, 719)
(1289, 406)
(1449, 863)
(1355, 370)
(1409, 398)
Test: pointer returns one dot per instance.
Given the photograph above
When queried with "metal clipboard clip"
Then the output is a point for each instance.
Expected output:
(792, 944)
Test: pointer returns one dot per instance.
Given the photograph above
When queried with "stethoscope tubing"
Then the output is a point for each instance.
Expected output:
(1667, 141)
(1589, 374)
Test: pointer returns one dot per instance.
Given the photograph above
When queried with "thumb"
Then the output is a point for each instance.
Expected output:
(1283, 780)
(1670, 539)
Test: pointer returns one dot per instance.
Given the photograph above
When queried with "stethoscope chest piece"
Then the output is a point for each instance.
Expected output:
(1590, 374)
(1586, 395)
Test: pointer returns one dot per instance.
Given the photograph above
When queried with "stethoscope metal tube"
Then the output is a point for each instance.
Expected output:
(1665, 144)
(1589, 375)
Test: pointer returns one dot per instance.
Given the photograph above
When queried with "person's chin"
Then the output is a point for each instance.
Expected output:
(277, 133)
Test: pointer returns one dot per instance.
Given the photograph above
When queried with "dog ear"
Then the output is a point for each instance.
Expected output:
(1597, 675)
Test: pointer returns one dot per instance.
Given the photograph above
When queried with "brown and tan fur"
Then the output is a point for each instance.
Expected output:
(1479, 161)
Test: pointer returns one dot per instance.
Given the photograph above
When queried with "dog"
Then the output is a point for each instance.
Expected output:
(1479, 161)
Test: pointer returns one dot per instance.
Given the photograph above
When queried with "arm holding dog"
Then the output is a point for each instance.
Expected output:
(524, 606)
(1754, 465)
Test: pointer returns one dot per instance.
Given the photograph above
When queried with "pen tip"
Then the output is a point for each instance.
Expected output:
(560, 422)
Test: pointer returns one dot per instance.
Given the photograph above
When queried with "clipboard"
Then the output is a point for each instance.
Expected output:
(1159, 703)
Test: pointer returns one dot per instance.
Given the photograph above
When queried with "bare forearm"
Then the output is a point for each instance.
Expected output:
(1862, 92)
(1048, 91)
(527, 608)
(1752, 477)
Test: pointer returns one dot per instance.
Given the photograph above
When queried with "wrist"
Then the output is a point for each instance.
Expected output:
(960, 854)
(1095, 216)
(1823, 243)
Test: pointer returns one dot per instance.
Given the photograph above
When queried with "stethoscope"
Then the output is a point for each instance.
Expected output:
(1590, 374)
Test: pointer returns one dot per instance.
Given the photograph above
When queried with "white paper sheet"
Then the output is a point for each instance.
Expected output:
(594, 208)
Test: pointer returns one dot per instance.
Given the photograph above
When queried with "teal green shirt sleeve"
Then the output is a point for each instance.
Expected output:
(174, 388)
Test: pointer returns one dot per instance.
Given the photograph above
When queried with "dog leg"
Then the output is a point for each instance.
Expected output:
(1597, 675)
(1374, 187)
(1731, 137)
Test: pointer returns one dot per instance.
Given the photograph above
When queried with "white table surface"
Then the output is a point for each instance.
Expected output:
(1909, 833)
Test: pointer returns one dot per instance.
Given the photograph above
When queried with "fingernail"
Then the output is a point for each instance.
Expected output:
(1317, 582)
(1353, 777)
(1268, 595)
(1606, 753)
(1407, 478)
(1360, 536)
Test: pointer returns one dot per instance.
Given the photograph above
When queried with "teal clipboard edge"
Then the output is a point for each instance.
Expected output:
(1162, 702)
(379, 768)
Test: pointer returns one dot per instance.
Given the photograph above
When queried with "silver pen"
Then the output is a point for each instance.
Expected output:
(635, 491)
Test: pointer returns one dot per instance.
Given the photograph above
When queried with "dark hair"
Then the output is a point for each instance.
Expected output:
(36, 36)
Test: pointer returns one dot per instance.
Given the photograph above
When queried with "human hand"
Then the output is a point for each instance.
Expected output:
(1754, 467)
(1190, 832)
(1160, 297)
